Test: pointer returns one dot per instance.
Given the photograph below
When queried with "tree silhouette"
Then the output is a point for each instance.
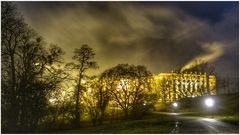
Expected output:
(129, 86)
(83, 56)
(28, 73)
(103, 97)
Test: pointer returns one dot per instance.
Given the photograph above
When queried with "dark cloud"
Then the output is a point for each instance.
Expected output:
(161, 35)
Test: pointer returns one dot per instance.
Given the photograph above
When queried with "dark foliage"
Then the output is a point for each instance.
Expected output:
(27, 73)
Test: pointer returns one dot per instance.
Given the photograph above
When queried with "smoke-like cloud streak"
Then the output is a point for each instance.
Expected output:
(213, 51)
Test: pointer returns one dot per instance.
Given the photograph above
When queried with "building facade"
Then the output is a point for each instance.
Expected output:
(174, 86)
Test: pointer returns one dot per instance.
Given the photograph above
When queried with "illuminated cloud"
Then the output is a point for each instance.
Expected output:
(160, 36)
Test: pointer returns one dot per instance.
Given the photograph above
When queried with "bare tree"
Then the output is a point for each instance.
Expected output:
(83, 56)
(96, 98)
(28, 72)
(129, 85)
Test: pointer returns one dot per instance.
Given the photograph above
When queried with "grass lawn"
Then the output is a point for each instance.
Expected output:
(233, 119)
(154, 124)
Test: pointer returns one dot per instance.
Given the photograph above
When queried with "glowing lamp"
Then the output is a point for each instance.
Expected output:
(175, 104)
(209, 102)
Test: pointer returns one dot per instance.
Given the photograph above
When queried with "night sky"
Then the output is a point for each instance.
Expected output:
(160, 35)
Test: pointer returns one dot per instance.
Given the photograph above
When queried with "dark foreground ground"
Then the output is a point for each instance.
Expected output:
(158, 123)
(202, 125)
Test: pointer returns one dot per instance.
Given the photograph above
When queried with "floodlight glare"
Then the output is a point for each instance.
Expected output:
(209, 102)
(175, 104)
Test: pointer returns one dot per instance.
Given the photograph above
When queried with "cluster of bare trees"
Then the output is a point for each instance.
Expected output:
(129, 87)
(27, 75)
(124, 87)
(35, 84)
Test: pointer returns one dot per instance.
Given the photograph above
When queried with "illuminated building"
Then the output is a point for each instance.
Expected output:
(174, 86)
(168, 86)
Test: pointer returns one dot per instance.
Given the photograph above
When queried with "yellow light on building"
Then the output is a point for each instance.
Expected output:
(180, 85)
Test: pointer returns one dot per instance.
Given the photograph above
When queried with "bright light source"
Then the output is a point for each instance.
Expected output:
(144, 104)
(83, 81)
(175, 104)
(52, 100)
(89, 90)
(37, 64)
(209, 102)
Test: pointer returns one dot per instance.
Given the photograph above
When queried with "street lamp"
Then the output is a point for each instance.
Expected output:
(209, 102)
(175, 104)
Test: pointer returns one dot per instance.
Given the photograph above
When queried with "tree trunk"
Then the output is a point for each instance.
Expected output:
(13, 116)
(77, 111)
(102, 116)
(77, 107)
(126, 113)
